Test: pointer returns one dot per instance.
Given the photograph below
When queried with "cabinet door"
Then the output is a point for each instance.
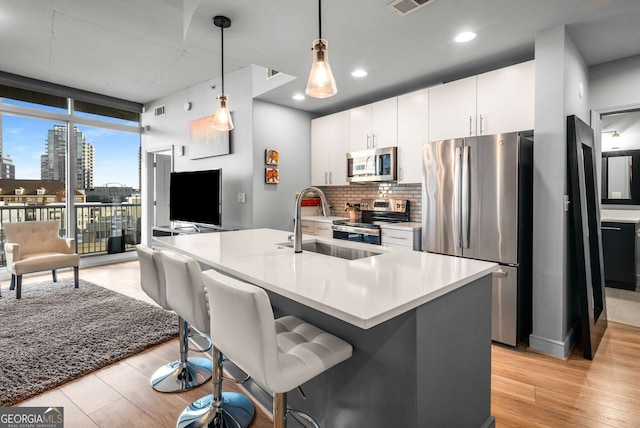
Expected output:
(307, 227)
(413, 132)
(618, 254)
(360, 137)
(321, 141)
(452, 110)
(339, 148)
(506, 99)
(322, 229)
(384, 123)
(397, 238)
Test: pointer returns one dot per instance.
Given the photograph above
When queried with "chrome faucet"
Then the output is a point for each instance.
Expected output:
(297, 227)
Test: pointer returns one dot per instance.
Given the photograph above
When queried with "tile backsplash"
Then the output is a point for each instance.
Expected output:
(354, 193)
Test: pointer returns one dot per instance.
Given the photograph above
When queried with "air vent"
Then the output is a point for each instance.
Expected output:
(404, 7)
(271, 73)
(159, 110)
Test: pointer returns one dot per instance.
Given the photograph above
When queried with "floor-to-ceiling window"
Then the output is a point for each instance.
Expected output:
(72, 158)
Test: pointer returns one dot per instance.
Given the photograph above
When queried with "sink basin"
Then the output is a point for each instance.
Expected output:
(334, 250)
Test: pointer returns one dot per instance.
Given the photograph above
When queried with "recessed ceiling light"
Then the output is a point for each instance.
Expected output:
(465, 36)
(359, 73)
(298, 97)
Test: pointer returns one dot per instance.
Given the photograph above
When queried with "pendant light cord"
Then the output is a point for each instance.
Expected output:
(319, 19)
(222, 53)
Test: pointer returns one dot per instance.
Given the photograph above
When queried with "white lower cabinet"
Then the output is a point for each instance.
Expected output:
(408, 237)
(319, 226)
(307, 227)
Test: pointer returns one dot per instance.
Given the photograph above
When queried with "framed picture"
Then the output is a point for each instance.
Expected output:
(205, 141)
(271, 176)
(271, 157)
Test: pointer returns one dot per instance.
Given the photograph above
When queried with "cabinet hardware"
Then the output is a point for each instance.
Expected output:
(611, 228)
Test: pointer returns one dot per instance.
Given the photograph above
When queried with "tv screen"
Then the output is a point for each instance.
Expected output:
(196, 197)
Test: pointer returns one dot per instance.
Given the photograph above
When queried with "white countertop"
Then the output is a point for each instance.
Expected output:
(322, 219)
(363, 292)
(402, 226)
(622, 216)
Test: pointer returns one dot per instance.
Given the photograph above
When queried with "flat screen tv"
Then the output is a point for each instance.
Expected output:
(196, 197)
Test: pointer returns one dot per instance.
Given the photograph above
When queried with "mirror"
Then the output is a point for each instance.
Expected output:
(621, 177)
(621, 158)
(586, 240)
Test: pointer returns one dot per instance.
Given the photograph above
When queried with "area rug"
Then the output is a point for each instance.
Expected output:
(57, 333)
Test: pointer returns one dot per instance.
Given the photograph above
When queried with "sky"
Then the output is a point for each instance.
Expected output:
(116, 153)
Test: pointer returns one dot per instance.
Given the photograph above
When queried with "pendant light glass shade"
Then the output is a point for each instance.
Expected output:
(222, 119)
(321, 83)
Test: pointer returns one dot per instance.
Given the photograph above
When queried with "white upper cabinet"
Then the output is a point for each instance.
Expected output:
(452, 109)
(413, 132)
(506, 99)
(491, 103)
(374, 126)
(329, 147)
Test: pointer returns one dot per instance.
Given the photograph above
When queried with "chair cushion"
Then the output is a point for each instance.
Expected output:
(305, 351)
(37, 262)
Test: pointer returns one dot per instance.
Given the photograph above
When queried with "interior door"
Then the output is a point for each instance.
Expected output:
(442, 169)
(162, 175)
(492, 224)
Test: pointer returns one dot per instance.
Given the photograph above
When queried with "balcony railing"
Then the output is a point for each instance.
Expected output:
(100, 228)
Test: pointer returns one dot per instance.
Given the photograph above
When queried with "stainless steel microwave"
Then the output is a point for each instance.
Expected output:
(372, 165)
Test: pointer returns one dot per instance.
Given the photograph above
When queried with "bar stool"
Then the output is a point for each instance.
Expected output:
(186, 372)
(281, 354)
(186, 295)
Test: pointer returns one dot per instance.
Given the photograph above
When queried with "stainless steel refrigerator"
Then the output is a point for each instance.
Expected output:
(477, 203)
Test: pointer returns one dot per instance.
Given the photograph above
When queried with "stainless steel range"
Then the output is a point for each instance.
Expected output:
(374, 212)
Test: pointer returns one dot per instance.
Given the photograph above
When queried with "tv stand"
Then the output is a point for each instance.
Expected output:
(183, 230)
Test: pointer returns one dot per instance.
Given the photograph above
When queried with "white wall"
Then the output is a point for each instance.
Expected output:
(243, 169)
(614, 85)
(559, 72)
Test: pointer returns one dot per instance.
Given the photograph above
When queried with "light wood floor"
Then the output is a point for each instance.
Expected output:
(528, 389)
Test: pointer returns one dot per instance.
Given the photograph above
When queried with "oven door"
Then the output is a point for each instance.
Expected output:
(356, 234)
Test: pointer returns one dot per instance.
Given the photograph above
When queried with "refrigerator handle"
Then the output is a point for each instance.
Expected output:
(456, 197)
(500, 273)
(466, 197)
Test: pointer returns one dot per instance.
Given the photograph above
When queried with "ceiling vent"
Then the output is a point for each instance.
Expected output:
(159, 110)
(404, 7)
(271, 73)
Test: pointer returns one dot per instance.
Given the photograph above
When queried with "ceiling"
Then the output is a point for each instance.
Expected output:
(143, 50)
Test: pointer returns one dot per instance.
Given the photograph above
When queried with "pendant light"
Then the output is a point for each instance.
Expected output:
(222, 119)
(321, 83)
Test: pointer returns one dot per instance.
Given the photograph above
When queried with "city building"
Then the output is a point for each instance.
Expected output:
(53, 164)
(35, 192)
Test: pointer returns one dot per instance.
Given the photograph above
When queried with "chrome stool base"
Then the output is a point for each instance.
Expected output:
(177, 376)
(237, 412)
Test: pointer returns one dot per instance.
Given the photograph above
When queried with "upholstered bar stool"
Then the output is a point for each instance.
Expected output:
(186, 295)
(281, 354)
(186, 372)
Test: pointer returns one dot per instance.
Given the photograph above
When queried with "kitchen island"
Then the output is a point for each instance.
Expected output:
(420, 325)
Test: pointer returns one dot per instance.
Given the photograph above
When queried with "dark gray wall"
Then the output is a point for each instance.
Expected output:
(288, 131)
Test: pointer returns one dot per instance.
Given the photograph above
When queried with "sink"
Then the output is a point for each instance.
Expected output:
(334, 250)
